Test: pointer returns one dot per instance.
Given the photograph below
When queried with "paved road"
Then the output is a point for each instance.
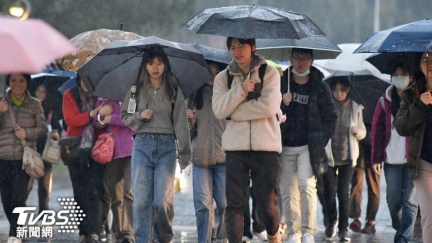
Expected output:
(184, 220)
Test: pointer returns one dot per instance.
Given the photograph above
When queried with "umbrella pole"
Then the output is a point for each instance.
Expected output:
(289, 76)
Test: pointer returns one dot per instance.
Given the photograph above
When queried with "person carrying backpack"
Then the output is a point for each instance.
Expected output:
(252, 137)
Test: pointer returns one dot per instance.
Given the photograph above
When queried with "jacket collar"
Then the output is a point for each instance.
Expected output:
(234, 69)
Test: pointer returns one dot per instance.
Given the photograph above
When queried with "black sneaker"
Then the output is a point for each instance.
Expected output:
(343, 236)
(127, 240)
(330, 230)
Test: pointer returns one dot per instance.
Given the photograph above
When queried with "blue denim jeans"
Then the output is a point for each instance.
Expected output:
(209, 184)
(153, 171)
(401, 200)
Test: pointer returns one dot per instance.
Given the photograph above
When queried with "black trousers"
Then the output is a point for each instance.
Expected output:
(88, 190)
(13, 190)
(257, 223)
(338, 184)
(264, 168)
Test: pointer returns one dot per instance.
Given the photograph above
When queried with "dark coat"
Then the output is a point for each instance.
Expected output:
(411, 121)
(321, 118)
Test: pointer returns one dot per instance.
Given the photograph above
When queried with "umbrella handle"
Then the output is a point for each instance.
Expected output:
(289, 76)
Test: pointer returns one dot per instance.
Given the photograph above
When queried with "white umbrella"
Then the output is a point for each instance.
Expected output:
(351, 62)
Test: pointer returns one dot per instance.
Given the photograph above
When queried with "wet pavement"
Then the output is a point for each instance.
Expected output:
(184, 219)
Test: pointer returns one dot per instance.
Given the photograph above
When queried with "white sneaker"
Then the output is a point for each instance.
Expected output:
(262, 237)
(308, 238)
(294, 238)
(13, 239)
(246, 239)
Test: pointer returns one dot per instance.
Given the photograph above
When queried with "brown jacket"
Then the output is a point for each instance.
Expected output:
(411, 121)
(29, 116)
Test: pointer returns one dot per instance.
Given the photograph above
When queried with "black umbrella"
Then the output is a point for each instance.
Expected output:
(280, 49)
(365, 90)
(253, 21)
(385, 61)
(52, 79)
(214, 54)
(113, 70)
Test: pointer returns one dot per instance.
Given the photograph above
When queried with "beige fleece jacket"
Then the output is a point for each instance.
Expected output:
(253, 125)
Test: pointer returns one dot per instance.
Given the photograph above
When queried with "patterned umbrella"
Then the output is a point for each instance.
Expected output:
(92, 42)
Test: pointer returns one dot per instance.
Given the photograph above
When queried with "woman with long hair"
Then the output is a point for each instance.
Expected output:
(155, 110)
(414, 119)
(208, 174)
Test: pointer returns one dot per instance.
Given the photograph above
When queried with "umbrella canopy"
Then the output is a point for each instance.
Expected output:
(51, 78)
(112, 71)
(253, 21)
(412, 37)
(347, 61)
(366, 89)
(28, 46)
(385, 61)
(213, 54)
(280, 49)
(92, 42)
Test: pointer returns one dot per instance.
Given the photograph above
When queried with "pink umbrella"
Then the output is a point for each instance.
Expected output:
(29, 45)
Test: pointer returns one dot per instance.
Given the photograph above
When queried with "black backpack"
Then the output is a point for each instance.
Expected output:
(257, 92)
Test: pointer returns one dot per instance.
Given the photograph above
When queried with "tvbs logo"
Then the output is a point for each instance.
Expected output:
(67, 218)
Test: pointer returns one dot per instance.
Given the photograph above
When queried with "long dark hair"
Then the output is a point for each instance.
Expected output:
(169, 86)
(197, 98)
(418, 76)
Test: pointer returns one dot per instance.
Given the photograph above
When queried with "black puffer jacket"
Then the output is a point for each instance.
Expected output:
(321, 117)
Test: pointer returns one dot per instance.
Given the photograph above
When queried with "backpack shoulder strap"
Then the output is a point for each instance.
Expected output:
(261, 73)
(230, 79)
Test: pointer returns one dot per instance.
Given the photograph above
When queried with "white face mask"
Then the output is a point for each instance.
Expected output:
(400, 82)
(300, 74)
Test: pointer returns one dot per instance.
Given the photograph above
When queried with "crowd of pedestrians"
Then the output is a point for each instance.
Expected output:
(231, 131)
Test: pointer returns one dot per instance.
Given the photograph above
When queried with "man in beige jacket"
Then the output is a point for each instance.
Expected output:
(252, 138)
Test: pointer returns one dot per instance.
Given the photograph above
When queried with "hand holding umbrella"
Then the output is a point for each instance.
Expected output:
(146, 114)
(248, 85)
(4, 106)
(287, 98)
(426, 97)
